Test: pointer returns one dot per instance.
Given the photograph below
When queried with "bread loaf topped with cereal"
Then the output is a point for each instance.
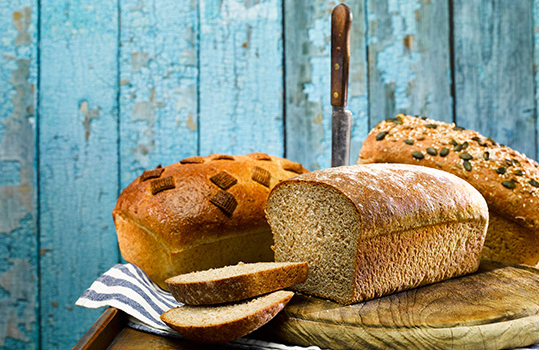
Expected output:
(507, 179)
(200, 213)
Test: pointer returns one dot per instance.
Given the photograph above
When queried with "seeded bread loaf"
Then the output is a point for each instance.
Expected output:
(200, 213)
(507, 179)
(224, 323)
(236, 282)
(372, 230)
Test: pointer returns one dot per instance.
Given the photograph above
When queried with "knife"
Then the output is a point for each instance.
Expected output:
(341, 21)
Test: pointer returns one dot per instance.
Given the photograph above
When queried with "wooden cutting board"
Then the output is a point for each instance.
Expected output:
(495, 308)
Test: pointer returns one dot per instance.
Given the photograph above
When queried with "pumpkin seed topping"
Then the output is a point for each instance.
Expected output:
(381, 135)
(516, 162)
(444, 152)
(518, 172)
(458, 128)
(534, 183)
(465, 145)
(509, 184)
(431, 126)
(409, 142)
(494, 143)
(501, 170)
(457, 148)
(432, 151)
(508, 162)
(467, 165)
(465, 156)
(453, 142)
(396, 120)
(486, 156)
(418, 155)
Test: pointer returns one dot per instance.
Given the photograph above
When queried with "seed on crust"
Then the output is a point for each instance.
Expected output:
(381, 135)
(409, 142)
(418, 155)
(509, 184)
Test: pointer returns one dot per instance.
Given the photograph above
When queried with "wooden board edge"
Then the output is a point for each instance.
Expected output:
(101, 334)
(511, 334)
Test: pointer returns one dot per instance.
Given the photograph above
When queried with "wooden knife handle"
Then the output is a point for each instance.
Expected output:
(341, 21)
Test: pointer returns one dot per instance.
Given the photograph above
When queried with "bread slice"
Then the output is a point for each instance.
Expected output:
(224, 323)
(233, 283)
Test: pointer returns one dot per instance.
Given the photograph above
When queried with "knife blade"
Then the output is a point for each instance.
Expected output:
(341, 119)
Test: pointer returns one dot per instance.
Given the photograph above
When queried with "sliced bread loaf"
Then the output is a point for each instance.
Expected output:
(237, 282)
(372, 230)
(224, 323)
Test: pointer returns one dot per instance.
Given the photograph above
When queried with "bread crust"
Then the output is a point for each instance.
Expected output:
(412, 226)
(491, 168)
(417, 199)
(225, 331)
(215, 201)
(220, 289)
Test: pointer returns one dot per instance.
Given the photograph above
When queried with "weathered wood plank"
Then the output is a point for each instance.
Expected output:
(78, 160)
(308, 108)
(409, 62)
(158, 86)
(536, 72)
(494, 77)
(18, 232)
(241, 78)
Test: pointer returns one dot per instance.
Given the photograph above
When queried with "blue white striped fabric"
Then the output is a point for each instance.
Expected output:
(128, 288)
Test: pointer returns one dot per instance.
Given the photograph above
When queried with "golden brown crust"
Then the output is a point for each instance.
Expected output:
(491, 169)
(403, 226)
(511, 243)
(226, 330)
(507, 179)
(267, 278)
(189, 210)
(416, 197)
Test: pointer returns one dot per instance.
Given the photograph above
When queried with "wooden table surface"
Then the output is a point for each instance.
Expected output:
(111, 332)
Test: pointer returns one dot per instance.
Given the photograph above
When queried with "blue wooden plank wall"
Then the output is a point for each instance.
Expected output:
(94, 92)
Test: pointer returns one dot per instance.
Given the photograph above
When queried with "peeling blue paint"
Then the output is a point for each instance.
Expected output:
(18, 256)
(10, 173)
(395, 61)
(241, 77)
(158, 107)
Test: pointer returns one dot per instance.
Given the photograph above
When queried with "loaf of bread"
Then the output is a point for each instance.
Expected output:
(507, 179)
(237, 282)
(227, 322)
(200, 213)
(371, 230)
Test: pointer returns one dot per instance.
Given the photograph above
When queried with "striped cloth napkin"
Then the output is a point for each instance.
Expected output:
(128, 288)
